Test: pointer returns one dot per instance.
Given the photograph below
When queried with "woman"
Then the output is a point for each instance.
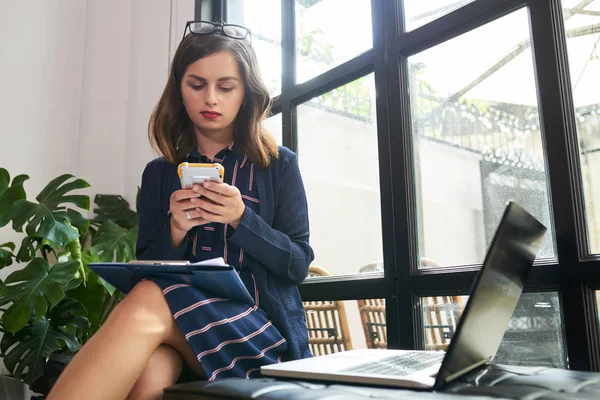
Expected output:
(210, 111)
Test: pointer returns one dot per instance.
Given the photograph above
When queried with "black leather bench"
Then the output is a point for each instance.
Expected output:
(493, 381)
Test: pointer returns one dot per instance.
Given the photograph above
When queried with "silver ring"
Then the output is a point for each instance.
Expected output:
(187, 215)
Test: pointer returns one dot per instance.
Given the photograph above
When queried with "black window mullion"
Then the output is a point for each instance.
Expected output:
(393, 322)
(455, 23)
(354, 288)
(288, 75)
(344, 73)
(404, 256)
(199, 9)
(208, 10)
(459, 281)
(218, 9)
(560, 139)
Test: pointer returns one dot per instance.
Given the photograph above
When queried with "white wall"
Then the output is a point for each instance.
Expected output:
(41, 67)
(78, 81)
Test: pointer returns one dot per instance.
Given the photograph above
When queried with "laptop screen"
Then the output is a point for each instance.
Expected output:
(495, 295)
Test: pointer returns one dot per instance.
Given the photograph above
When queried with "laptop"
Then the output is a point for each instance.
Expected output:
(479, 332)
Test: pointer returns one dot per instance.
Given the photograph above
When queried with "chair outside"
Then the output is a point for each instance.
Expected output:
(372, 314)
(440, 315)
(327, 323)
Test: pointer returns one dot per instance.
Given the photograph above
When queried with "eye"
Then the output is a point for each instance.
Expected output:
(197, 87)
(226, 89)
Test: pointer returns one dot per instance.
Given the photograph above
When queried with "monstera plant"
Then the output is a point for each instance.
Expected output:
(53, 303)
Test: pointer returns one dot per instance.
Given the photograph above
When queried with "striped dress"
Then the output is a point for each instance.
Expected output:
(229, 338)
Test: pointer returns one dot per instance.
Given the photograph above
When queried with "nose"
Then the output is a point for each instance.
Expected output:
(211, 96)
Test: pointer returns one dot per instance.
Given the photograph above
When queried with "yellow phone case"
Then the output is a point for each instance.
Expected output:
(191, 173)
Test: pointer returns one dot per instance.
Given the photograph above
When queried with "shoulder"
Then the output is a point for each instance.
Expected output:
(159, 173)
(158, 167)
(286, 157)
(286, 154)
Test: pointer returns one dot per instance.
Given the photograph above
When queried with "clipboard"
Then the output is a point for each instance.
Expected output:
(212, 276)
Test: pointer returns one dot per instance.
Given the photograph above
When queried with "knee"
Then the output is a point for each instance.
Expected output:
(145, 309)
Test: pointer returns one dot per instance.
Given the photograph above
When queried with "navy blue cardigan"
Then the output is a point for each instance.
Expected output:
(275, 240)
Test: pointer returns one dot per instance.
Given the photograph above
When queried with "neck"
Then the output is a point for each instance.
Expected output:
(210, 144)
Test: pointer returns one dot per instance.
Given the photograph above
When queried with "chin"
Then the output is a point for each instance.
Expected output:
(210, 129)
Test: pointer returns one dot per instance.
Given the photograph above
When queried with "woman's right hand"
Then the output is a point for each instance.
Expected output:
(183, 214)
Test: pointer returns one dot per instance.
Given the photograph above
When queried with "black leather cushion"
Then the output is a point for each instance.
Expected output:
(494, 381)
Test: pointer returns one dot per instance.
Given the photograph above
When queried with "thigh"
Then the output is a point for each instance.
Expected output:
(148, 296)
(177, 340)
(163, 370)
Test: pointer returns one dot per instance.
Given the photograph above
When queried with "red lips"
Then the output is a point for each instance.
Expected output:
(210, 114)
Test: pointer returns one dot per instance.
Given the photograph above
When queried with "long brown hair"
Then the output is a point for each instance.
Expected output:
(170, 129)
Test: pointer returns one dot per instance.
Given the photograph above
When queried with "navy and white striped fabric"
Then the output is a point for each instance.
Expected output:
(230, 339)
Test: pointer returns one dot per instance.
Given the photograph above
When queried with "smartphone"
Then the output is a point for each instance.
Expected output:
(194, 173)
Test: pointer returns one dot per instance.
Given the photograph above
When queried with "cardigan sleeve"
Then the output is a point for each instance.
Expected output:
(284, 248)
(154, 235)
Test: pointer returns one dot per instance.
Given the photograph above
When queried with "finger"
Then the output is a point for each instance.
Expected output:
(183, 205)
(209, 217)
(200, 202)
(183, 194)
(212, 208)
(192, 216)
(221, 188)
(213, 196)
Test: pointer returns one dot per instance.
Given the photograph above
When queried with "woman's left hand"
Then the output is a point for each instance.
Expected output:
(219, 202)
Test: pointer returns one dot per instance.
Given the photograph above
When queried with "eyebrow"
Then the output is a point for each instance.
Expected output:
(225, 78)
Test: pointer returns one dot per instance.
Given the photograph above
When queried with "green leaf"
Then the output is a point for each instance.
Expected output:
(75, 283)
(78, 221)
(9, 195)
(116, 209)
(114, 243)
(109, 288)
(31, 346)
(50, 219)
(87, 257)
(91, 297)
(36, 285)
(29, 246)
(6, 256)
(70, 312)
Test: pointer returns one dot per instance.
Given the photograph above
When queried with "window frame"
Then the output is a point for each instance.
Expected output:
(574, 274)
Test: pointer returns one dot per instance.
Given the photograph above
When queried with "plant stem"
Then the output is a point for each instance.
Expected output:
(75, 248)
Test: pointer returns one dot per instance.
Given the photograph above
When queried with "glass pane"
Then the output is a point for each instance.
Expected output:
(326, 37)
(335, 326)
(583, 48)
(477, 140)
(273, 125)
(340, 168)
(263, 18)
(534, 335)
(418, 12)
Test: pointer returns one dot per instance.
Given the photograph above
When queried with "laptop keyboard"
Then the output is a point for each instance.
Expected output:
(399, 365)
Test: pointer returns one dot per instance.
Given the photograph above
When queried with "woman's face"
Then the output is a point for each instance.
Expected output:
(213, 92)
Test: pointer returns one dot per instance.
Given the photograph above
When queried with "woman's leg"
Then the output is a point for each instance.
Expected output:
(109, 365)
(162, 371)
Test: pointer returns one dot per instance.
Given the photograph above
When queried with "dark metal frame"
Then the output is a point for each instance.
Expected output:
(574, 273)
